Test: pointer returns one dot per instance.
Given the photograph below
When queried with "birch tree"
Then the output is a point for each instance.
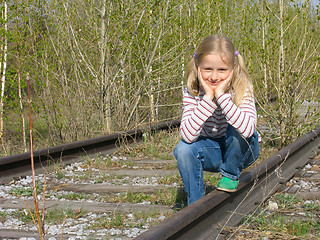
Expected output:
(290, 57)
(3, 67)
(104, 66)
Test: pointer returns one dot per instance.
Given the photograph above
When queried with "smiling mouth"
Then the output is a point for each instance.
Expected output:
(213, 82)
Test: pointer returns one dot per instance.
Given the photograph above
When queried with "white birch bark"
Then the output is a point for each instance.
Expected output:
(282, 110)
(3, 78)
(104, 79)
(22, 116)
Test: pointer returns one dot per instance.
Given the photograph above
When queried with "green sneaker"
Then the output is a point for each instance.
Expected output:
(227, 185)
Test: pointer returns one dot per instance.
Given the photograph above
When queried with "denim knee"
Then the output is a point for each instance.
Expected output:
(184, 153)
(180, 150)
(240, 153)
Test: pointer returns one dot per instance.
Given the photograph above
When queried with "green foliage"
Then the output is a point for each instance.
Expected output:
(166, 196)
(59, 215)
(135, 219)
(25, 191)
(156, 145)
(286, 220)
(277, 223)
(286, 200)
(3, 216)
(302, 227)
(23, 215)
(93, 72)
(101, 162)
(311, 207)
(74, 196)
(53, 216)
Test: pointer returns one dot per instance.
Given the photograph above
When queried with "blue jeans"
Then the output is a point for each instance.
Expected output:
(228, 155)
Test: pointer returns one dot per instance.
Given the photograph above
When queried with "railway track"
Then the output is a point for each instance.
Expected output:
(17, 165)
(206, 219)
(91, 187)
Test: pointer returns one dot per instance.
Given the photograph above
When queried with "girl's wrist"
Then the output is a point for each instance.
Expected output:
(210, 96)
(217, 94)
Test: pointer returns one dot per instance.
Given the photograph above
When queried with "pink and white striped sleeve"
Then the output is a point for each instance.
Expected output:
(243, 118)
(195, 114)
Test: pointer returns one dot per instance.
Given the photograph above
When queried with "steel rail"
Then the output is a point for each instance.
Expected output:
(207, 217)
(74, 149)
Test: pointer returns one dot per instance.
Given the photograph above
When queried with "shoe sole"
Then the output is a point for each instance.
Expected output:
(226, 190)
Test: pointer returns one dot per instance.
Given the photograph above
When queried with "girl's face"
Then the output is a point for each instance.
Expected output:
(214, 70)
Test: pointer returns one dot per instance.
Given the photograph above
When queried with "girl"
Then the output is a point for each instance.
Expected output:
(218, 125)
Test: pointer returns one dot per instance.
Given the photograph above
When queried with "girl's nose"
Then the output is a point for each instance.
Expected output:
(214, 75)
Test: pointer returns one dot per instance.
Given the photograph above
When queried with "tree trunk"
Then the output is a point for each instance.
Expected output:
(104, 79)
(22, 116)
(3, 78)
(282, 110)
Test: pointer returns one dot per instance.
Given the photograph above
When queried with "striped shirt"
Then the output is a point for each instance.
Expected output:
(203, 117)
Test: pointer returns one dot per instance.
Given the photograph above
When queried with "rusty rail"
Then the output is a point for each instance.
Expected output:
(71, 150)
(206, 218)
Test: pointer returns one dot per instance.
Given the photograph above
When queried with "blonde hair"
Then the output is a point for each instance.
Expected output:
(223, 46)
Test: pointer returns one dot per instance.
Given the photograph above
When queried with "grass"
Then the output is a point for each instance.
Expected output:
(54, 216)
(263, 223)
(154, 145)
(25, 191)
(3, 217)
(314, 207)
(170, 179)
(74, 196)
(286, 201)
(302, 227)
(58, 215)
(211, 179)
(58, 167)
(166, 196)
(277, 223)
(136, 219)
(106, 162)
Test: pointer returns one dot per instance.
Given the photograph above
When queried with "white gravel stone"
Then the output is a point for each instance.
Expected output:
(308, 166)
(74, 174)
(134, 231)
(114, 232)
(301, 213)
(146, 226)
(54, 230)
(272, 206)
(145, 202)
(102, 232)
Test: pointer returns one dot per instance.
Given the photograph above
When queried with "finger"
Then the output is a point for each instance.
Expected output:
(230, 76)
